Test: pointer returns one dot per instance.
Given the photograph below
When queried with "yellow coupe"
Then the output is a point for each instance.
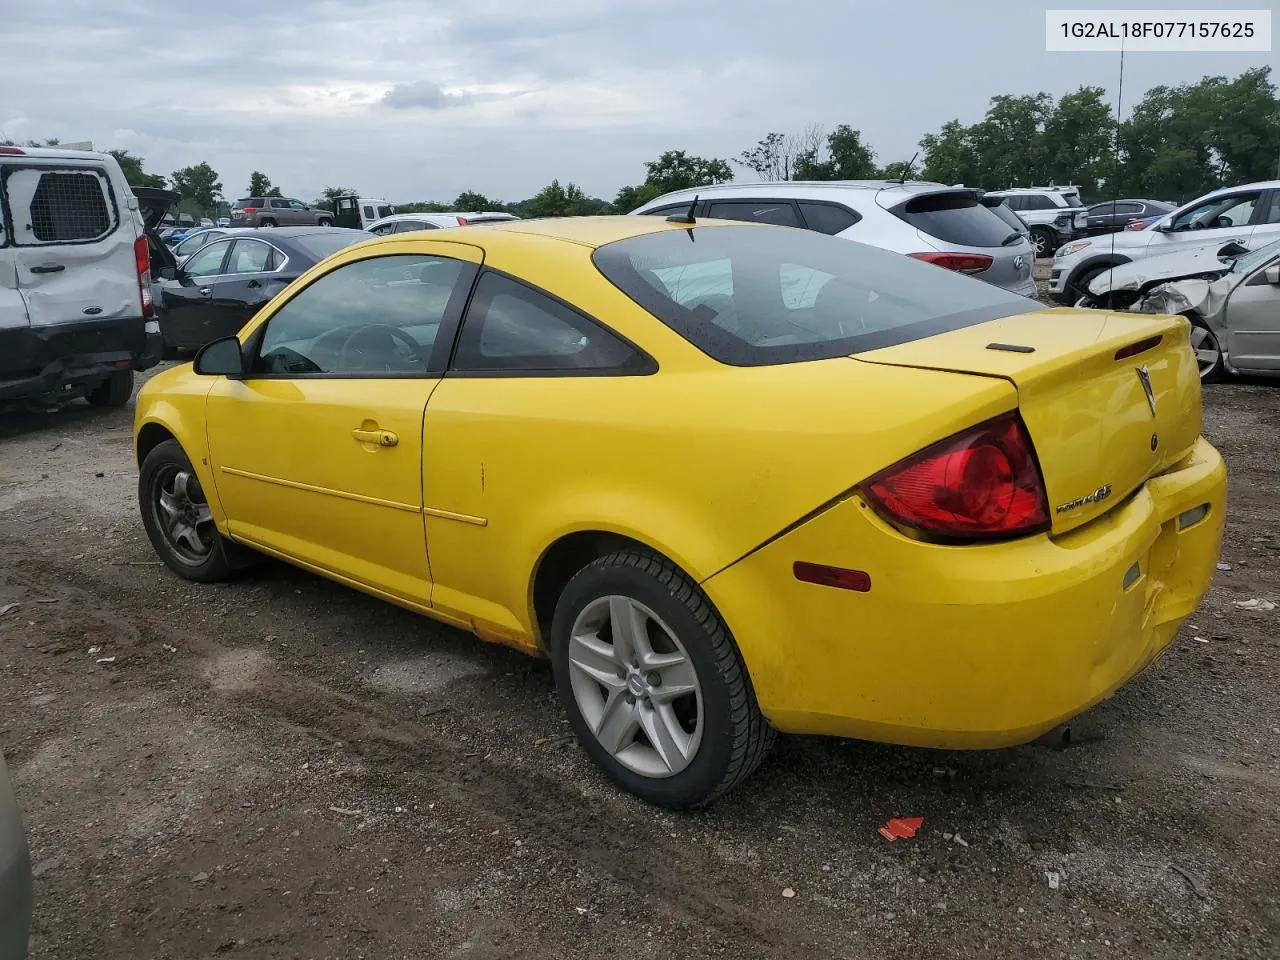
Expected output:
(732, 479)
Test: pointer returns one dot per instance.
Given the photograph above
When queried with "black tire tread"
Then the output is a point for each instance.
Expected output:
(114, 391)
(753, 736)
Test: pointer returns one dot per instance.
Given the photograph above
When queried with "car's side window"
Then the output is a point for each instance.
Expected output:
(368, 212)
(280, 204)
(513, 328)
(408, 226)
(59, 206)
(1127, 209)
(297, 205)
(828, 218)
(207, 262)
(368, 318)
(250, 256)
(781, 213)
(383, 229)
(1272, 213)
(1223, 212)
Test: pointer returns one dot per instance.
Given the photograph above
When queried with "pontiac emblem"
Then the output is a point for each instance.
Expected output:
(1144, 375)
(1102, 493)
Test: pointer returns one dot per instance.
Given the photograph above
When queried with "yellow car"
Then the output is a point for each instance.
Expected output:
(732, 479)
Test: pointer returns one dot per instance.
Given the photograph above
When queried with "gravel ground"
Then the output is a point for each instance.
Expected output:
(284, 768)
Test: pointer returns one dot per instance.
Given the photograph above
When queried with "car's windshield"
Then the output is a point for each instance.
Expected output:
(329, 241)
(1247, 262)
(749, 296)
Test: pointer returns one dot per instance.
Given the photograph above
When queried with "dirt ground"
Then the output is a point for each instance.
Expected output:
(283, 768)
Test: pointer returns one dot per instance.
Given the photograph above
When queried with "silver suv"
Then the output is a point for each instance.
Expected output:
(278, 212)
(1049, 211)
(947, 226)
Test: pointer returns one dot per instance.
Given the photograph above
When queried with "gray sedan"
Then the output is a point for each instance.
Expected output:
(1231, 297)
(15, 875)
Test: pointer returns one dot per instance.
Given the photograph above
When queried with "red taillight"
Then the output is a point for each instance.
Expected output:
(13, 152)
(462, 221)
(142, 259)
(249, 210)
(960, 262)
(982, 484)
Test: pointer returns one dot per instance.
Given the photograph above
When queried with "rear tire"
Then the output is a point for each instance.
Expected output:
(324, 223)
(675, 750)
(267, 223)
(176, 516)
(114, 391)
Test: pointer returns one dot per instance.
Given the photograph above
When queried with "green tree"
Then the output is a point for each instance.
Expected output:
(845, 157)
(1079, 140)
(333, 193)
(555, 200)
(426, 206)
(198, 185)
(949, 156)
(1009, 141)
(629, 198)
(471, 202)
(678, 170)
(133, 172)
(260, 185)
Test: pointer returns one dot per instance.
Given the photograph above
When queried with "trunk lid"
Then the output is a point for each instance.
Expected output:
(1097, 434)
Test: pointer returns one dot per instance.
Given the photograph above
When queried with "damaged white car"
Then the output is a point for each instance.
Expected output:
(1230, 295)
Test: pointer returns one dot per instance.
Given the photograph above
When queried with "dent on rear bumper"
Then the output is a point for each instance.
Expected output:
(975, 646)
(36, 360)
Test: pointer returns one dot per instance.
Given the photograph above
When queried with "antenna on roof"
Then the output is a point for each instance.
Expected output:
(906, 172)
(686, 217)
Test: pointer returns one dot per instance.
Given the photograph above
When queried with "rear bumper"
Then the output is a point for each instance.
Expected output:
(975, 646)
(36, 361)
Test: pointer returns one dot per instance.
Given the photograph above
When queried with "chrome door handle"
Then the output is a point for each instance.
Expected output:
(383, 438)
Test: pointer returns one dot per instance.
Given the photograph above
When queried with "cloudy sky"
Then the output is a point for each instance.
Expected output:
(420, 99)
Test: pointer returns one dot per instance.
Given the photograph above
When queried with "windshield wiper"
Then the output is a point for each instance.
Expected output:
(1011, 238)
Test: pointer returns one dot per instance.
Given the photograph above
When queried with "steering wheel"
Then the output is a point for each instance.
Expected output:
(352, 344)
(1198, 224)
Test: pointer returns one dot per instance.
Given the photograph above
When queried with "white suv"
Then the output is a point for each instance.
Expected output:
(1050, 212)
(1248, 215)
(947, 226)
(76, 309)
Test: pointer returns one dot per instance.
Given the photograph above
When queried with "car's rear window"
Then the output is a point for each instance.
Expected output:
(329, 241)
(1001, 210)
(750, 296)
(958, 218)
(1073, 199)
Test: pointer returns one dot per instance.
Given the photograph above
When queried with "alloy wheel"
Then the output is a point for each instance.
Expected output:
(1208, 352)
(636, 686)
(183, 516)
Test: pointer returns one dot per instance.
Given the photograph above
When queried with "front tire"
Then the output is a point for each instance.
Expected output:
(114, 391)
(324, 223)
(653, 683)
(1208, 351)
(178, 521)
(1044, 242)
(267, 223)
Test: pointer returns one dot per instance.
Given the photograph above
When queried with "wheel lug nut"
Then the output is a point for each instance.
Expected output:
(654, 678)
(622, 674)
(631, 700)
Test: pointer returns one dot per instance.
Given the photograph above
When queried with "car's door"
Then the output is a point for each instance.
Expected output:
(250, 278)
(300, 213)
(1101, 217)
(13, 309)
(277, 212)
(524, 361)
(1267, 221)
(187, 301)
(1225, 218)
(317, 450)
(1253, 320)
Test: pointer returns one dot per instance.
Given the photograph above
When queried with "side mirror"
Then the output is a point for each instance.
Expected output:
(220, 358)
(1272, 273)
(168, 273)
(1232, 249)
(1166, 227)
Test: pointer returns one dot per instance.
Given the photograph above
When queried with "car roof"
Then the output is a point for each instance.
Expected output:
(584, 231)
(288, 233)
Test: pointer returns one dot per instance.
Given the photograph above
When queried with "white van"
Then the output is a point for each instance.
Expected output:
(76, 309)
(359, 212)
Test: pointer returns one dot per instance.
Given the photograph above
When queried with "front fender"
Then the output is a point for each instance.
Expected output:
(174, 403)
